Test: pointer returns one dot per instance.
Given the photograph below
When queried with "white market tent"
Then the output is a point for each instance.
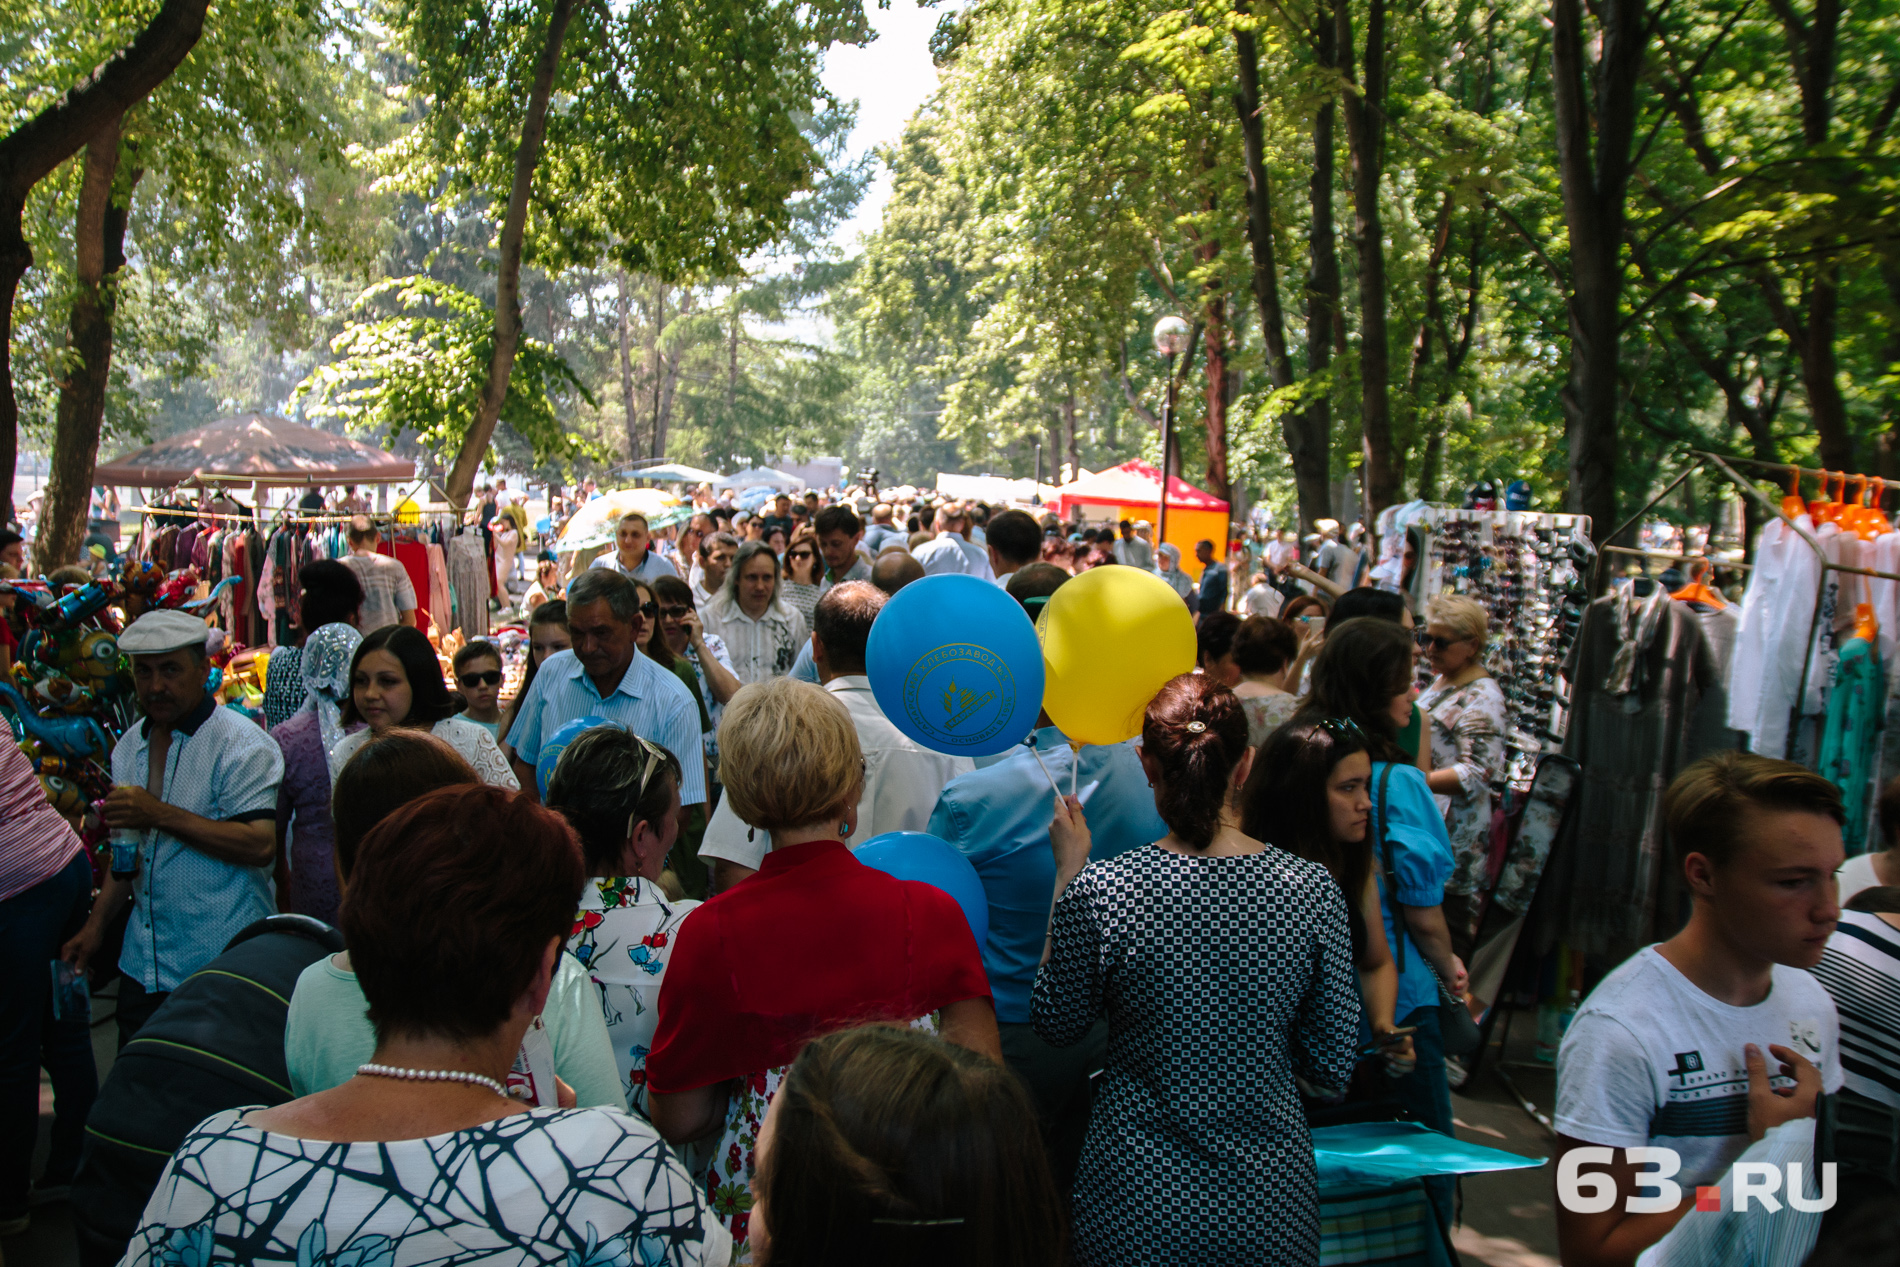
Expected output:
(758, 477)
(994, 489)
(675, 473)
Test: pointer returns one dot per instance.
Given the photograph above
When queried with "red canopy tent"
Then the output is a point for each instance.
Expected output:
(1133, 491)
(254, 449)
(1135, 484)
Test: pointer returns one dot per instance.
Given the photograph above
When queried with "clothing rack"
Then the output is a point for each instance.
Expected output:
(1725, 466)
(1680, 558)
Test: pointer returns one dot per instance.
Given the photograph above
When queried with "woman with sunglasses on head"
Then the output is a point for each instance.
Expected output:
(804, 570)
(396, 681)
(1363, 674)
(1223, 966)
(1466, 708)
(620, 793)
(547, 634)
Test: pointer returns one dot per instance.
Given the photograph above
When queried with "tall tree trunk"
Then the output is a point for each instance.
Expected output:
(1813, 50)
(1266, 272)
(623, 308)
(1595, 106)
(31, 151)
(514, 225)
(1364, 103)
(1214, 314)
(655, 363)
(669, 382)
(1072, 444)
(1309, 433)
(99, 253)
(732, 368)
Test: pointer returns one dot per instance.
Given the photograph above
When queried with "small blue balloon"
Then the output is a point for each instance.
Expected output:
(557, 744)
(916, 855)
(955, 664)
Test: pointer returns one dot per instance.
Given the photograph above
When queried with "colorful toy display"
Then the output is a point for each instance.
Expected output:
(70, 695)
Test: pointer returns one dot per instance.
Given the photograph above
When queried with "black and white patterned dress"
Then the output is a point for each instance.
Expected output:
(1220, 978)
(574, 1187)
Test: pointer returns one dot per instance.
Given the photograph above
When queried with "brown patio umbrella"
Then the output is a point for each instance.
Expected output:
(254, 449)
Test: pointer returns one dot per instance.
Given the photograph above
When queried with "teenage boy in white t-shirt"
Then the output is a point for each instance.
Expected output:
(1658, 1054)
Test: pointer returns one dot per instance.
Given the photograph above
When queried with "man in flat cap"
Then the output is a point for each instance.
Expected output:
(198, 783)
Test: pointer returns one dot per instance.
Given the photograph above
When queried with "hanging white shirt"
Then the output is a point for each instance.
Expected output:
(902, 781)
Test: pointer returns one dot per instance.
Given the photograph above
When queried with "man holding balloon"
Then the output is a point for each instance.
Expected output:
(1080, 737)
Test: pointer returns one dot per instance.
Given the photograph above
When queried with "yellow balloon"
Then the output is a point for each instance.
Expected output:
(1111, 638)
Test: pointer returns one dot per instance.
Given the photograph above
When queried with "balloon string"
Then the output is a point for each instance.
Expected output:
(1074, 769)
(1045, 769)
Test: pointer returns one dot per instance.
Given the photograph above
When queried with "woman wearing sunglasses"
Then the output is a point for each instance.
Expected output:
(684, 634)
(1466, 708)
(395, 680)
(620, 793)
(803, 570)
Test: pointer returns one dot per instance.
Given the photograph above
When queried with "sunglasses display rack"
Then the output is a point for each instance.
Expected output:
(1530, 572)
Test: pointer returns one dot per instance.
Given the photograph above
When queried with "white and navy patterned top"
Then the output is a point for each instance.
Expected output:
(1861, 969)
(1220, 978)
(650, 701)
(579, 1187)
(187, 905)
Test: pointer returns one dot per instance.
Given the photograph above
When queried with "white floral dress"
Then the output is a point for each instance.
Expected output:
(623, 934)
(1468, 727)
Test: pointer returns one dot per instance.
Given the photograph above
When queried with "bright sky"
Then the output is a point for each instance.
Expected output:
(889, 77)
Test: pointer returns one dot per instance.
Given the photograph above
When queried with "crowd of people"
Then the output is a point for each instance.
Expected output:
(629, 997)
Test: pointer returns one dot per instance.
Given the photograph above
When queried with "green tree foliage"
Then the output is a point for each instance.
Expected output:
(420, 368)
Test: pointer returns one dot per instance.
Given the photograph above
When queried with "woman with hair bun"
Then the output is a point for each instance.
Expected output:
(1224, 967)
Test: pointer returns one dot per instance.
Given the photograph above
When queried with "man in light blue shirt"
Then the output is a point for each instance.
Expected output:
(998, 817)
(197, 786)
(633, 553)
(606, 676)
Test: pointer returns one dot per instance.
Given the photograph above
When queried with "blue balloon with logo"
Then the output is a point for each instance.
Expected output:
(557, 744)
(916, 855)
(955, 664)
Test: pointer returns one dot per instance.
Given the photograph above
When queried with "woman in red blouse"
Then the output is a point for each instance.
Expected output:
(812, 943)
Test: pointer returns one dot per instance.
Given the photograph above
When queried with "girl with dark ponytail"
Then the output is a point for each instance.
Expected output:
(1223, 967)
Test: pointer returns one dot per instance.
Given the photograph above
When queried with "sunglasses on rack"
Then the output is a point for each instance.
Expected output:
(489, 677)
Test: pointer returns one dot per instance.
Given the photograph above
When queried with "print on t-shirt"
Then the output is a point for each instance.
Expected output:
(1652, 1060)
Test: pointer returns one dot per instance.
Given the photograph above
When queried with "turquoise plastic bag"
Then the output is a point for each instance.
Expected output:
(1379, 1153)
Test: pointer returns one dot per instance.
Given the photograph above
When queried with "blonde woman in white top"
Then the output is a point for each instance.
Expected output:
(396, 681)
